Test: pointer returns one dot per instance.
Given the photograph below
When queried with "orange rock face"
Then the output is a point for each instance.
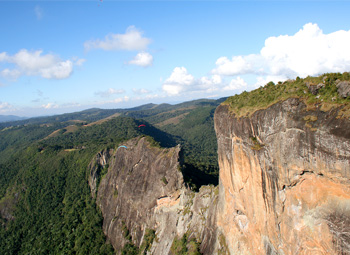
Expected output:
(284, 184)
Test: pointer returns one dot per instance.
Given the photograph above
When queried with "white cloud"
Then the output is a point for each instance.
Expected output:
(121, 99)
(49, 106)
(142, 59)
(307, 52)
(59, 70)
(6, 107)
(38, 12)
(180, 81)
(238, 65)
(140, 91)
(235, 84)
(10, 74)
(109, 92)
(131, 40)
(26, 62)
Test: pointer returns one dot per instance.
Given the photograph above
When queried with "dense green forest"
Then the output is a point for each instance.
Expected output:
(45, 201)
(55, 212)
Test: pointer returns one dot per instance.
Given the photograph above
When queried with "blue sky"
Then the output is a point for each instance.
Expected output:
(65, 56)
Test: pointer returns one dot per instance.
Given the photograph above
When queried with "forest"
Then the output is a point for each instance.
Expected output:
(45, 201)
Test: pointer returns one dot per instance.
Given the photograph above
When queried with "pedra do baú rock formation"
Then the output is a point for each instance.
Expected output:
(284, 179)
(284, 183)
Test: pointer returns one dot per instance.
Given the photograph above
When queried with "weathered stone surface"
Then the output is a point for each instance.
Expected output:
(284, 180)
(344, 89)
(96, 165)
(144, 189)
(314, 88)
(284, 187)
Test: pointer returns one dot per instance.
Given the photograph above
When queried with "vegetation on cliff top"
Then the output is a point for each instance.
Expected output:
(327, 97)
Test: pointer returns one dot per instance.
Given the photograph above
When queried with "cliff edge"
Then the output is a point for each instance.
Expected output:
(146, 205)
(284, 179)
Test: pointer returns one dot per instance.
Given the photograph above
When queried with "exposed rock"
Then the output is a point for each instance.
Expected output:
(96, 165)
(144, 189)
(344, 89)
(284, 187)
(314, 88)
(291, 195)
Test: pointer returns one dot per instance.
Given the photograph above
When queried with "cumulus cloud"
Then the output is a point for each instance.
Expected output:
(34, 63)
(109, 92)
(238, 65)
(131, 40)
(143, 59)
(181, 81)
(140, 91)
(307, 52)
(235, 84)
(178, 81)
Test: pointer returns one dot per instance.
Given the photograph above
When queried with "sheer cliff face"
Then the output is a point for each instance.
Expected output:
(284, 180)
(144, 189)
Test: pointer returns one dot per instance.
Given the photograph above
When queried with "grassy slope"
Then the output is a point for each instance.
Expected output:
(247, 103)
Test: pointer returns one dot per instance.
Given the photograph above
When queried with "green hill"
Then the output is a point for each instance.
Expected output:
(45, 202)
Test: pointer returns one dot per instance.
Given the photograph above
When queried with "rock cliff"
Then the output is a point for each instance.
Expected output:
(144, 190)
(284, 184)
(284, 180)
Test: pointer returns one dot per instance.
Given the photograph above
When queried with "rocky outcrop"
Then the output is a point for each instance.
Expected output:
(314, 88)
(143, 190)
(284, 180)
(284, 187)
(97, 166)
(343, 88)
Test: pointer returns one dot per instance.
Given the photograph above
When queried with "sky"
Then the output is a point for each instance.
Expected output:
(66, 56)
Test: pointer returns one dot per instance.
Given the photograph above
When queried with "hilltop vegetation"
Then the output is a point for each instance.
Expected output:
(326, 97)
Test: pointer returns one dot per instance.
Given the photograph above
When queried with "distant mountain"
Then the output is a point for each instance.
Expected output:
(95, 114)
(189, 124)
(5, 118)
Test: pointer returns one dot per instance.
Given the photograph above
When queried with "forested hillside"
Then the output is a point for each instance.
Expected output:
(44, 189)
(45, 201)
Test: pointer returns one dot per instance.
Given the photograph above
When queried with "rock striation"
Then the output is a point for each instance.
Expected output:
(284, 180)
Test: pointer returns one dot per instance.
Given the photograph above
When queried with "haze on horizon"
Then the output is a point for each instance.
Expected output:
(63, 56)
